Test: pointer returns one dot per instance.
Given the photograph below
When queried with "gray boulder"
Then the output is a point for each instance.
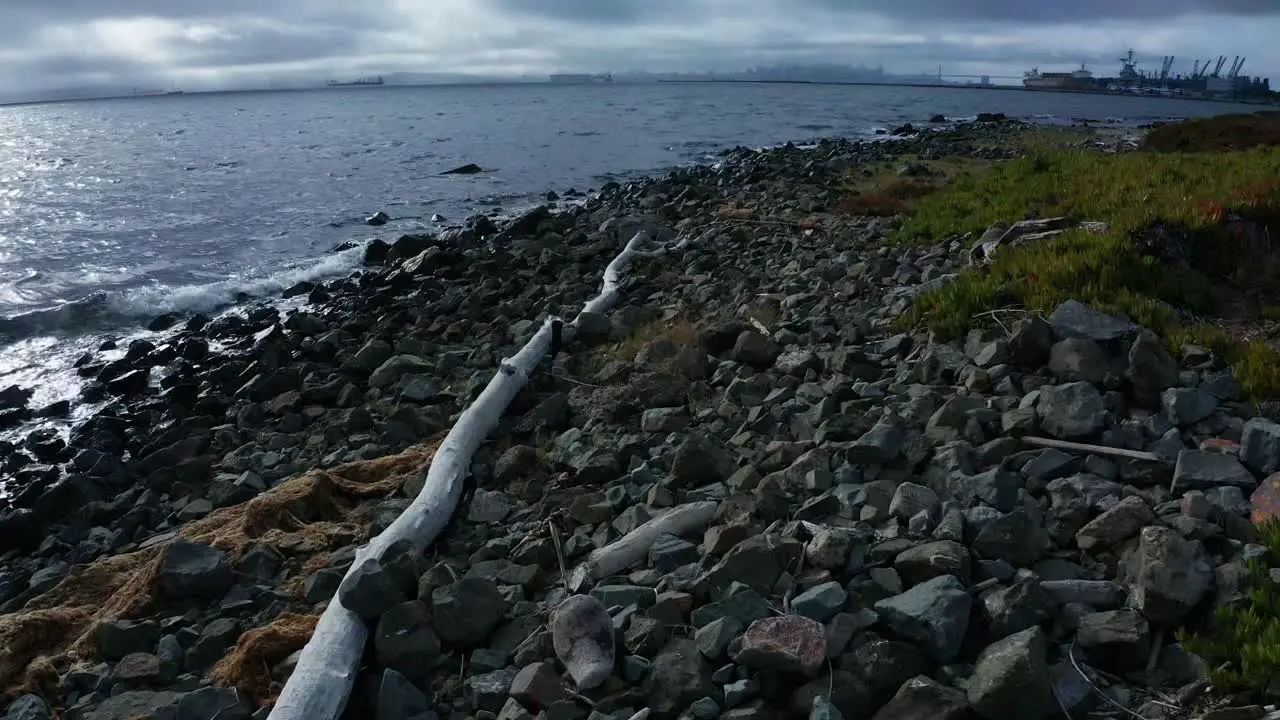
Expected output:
(1260, 446)
(1070, 411)
(1115, 640)
(465, 612)
(399, 699)
(1152, 369)
(1124, 520)
(1200, 470)
(371, 589)
(405, 641)
(934, 614)
(1074, 319)
(396, 367)
(1168, 575)
(1188, 406)
(29, 707)
(193, 571)
(677, 677)
(923, 698)
(1079, 359)
(755, 350)
(1011, 680)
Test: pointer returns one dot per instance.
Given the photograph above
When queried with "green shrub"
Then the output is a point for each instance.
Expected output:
(1243, 652)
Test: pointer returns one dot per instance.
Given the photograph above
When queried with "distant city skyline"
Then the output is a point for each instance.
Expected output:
(58, 48)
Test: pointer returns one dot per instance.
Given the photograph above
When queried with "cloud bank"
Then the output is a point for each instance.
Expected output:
(50, 44)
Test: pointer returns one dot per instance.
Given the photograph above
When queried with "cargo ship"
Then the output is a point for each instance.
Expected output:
(1080, 79)
(377, 80)
(581, 78)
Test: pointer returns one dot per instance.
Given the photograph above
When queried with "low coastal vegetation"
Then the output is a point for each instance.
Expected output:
(1243, 651)
(1188, 251)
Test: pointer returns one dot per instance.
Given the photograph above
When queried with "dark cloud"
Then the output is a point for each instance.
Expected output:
(1051, 10)
(621, 11)
(602, 11)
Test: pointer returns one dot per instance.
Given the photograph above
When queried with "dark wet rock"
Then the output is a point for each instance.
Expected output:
(1260, 446)
(14, 397)
(212, 702)
(699, 462)
(1201, 470)
(465, 612)
(164, 322)
(301, 287)
(1168, 575)
(1073, 319)
(1152, 369)
(215, 638)
(375, 253)
(468, 169)
(1188, 406)
(1018, 606)
(135, 704)
(756, 562)
(934, 613)
(1071, 411)
(129, 384)
(1015, 537)
(921, 698)
(931, 560)
(1115, 640)
(400, 699)
(755, 350)
(537, 686)
(405, 641)
(884, 666)
(114, 639)
(1079, 359)
(820, 602)
(193, 571)
(28, 707)
(1011, 680)
(677, 677)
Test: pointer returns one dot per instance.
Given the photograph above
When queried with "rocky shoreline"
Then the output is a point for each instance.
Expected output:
(886, 542)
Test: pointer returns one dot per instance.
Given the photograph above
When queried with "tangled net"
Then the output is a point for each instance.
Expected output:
(304, 517)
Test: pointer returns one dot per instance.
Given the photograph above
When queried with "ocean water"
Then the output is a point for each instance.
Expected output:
(114, 211)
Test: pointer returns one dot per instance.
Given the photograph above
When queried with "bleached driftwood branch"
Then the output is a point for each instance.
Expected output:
(631, 548)
(325, 673)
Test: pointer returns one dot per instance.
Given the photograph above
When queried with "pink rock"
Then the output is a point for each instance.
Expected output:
(1220, 446)
(790, 643)
(1266, 500)
(537, 686)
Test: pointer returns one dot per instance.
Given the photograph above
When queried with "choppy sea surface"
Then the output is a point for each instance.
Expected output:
(115, 211)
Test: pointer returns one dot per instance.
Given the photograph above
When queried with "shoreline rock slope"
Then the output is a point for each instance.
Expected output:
(884, 544)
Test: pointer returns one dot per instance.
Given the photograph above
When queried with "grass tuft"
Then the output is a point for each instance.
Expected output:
(680, 331)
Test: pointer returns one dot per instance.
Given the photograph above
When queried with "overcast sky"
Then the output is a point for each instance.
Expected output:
(199, 44)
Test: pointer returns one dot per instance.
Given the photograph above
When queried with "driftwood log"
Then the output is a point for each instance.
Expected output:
(326, 670)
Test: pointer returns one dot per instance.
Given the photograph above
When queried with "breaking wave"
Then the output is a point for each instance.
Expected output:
(103, 310)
